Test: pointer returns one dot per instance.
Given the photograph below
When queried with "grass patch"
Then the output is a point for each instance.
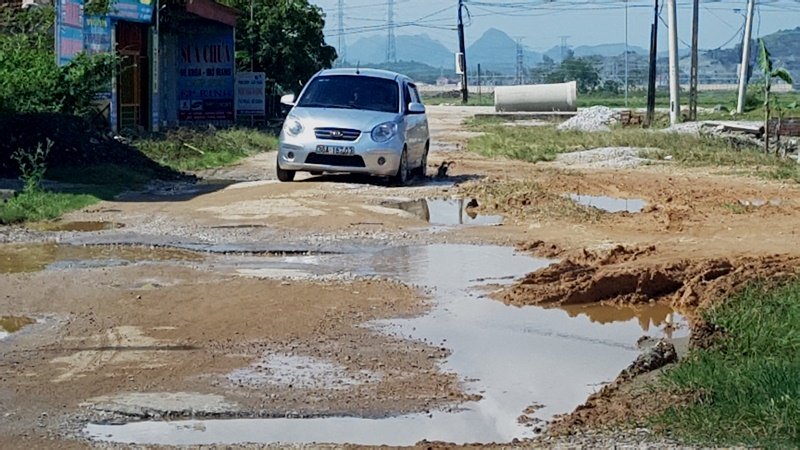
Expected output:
(38, 205)
(544, 143)
(81, 187)
(186, 149)
(748, 383)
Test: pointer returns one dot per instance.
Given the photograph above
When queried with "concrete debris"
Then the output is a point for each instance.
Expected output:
(596, 118)
(603, 158)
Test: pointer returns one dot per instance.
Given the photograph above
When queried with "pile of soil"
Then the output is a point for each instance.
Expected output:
(610, 276)
(75, 144)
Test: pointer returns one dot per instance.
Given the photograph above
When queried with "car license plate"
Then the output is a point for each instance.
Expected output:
(335, 150)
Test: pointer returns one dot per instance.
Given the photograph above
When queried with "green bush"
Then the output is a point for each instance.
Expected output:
(30, 79)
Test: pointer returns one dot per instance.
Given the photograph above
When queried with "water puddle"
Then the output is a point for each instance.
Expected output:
(79, 226)
(609, 204)
(12, 324)
(512, 357)
(445, 211)
(16, 258)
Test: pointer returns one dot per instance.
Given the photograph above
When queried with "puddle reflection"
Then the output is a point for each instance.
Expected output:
(609, 204)
(513, 357)
(80, 226)
(444, 211)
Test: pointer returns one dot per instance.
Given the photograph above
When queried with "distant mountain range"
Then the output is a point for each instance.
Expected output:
(496, 52)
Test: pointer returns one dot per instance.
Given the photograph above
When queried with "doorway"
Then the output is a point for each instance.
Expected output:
(133, 80)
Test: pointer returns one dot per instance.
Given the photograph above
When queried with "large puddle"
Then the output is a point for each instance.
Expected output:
(444, 211)
(15, 258)
(609, 204)
(512, 357)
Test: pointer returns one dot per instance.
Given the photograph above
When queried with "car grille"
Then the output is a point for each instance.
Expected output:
(336, 160)
(337, 134)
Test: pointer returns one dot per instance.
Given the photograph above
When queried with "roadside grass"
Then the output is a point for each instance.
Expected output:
(186, 149)
(544, 143)
(747, 384)
(39, 205)
(77, 188)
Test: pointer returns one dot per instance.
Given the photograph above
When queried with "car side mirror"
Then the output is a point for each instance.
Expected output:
(287, 100)
(416, 108)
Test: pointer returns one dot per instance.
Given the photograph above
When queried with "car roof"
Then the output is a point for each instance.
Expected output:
(377, 73)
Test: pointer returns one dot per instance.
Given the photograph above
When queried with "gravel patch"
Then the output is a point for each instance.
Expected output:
(604, 158)
(596, 118)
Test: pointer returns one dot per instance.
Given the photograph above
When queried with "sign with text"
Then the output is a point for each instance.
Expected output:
(206, 76)
(132, 10)
(69, 34)
(250, 93)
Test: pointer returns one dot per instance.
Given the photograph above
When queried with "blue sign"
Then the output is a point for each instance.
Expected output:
(132, 10)
(97, 35)
(206, 76)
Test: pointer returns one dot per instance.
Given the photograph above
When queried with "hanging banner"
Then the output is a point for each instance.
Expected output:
(97, 35)
(206, 76)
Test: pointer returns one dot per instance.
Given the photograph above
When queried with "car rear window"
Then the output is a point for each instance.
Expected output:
(352, 92)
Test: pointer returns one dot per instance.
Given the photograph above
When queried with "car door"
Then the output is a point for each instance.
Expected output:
(423, 125)
(413, 126)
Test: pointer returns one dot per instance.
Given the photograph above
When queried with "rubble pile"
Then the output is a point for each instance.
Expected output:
(596, 118)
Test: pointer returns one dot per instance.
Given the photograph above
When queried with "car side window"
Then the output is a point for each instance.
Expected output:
(415, 94)
(407, 97)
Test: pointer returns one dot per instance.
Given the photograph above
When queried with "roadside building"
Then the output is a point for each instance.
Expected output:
(176, 59)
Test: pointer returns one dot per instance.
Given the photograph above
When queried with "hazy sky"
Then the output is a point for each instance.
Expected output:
(541, 23)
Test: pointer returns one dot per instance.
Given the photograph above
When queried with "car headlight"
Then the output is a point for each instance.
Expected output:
(292, 127)
(384, 132)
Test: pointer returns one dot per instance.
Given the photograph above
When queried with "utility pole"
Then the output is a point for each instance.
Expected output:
(479, 83)
(520, 62)
(342, 48)
(391, 45)
(626, 54)
(674, 72)
(463, 53)
(694, 68)
(651, 78)
(743, 69)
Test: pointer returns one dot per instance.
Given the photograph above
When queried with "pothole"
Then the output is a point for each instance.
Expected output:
(12, 324)
(609, 204)
(16, 258)
(510, 357)
(445, 211)
(79, 226)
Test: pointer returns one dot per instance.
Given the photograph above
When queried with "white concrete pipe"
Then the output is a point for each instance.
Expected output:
(537, 97)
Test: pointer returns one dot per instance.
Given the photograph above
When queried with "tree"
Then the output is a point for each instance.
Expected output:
(580, 70)
(765, 64)
(284, 39)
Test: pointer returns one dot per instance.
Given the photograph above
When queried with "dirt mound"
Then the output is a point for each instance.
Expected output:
(75, 144)
(589, 277)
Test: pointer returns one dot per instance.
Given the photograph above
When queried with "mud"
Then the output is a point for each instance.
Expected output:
(622, 275)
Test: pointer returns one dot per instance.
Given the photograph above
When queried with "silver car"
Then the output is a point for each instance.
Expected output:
(355, 120)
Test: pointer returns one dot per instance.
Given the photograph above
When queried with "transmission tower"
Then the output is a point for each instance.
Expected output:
(520, 78)
(564, 47)
(391, 45)
(342, 48)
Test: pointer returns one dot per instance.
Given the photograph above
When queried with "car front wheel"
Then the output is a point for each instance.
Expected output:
(284, 175)
(401, 177)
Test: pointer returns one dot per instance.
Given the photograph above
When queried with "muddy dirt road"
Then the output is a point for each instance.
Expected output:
(336, 309)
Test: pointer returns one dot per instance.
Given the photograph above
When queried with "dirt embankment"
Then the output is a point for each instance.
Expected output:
(636, 274)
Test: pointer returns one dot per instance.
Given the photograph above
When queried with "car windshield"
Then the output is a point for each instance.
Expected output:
(352, 92)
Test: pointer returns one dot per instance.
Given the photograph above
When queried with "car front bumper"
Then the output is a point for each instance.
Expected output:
(370, 157)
